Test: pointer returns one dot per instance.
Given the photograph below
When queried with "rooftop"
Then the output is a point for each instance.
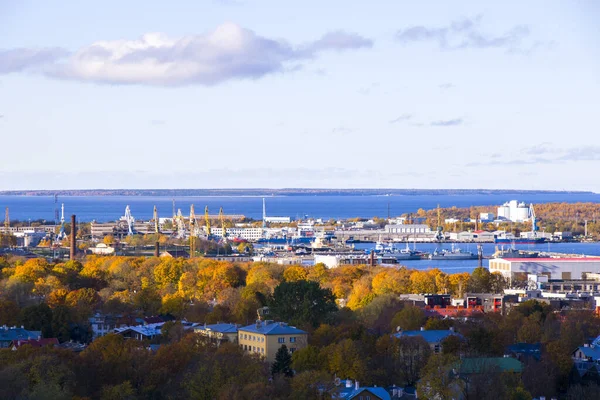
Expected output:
(269, 327)
(219, 327)
(592, 352)
(432, 336)
(481, 364)
(554, 259)
(14, 333)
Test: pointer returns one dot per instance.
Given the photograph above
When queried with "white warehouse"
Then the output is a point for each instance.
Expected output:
(553, 268)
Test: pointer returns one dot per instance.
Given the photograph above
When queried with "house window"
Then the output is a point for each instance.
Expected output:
(281, 340)
(436, 348)
(292, 340)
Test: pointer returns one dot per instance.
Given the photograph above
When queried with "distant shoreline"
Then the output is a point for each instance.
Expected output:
(280, 192)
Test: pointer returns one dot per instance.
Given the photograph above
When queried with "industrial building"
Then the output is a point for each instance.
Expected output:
(553, 268)
(514, 211)
(409, 229)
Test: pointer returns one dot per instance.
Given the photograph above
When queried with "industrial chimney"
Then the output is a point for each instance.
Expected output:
(73, 237)
(156, 249)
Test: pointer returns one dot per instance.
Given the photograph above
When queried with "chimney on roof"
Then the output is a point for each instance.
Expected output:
(348, 383)
(422, 328)
(356, 385)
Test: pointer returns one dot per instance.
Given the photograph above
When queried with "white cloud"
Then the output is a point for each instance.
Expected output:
(228, 52)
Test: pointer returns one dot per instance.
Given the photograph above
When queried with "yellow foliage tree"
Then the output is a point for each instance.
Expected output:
(422, 282)
(295, 273)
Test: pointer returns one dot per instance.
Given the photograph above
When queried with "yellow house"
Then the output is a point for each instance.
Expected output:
(266, 337)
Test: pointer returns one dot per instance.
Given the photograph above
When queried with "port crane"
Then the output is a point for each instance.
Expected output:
(6, 222)
(439, 236)
(129, 219)
(533, 220)
(223, 227)
(61, 233)
(207, 219)
(179, 224)
(193, 233)
(156, 227)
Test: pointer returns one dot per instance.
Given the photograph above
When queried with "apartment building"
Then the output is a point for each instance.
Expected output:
(266, 337)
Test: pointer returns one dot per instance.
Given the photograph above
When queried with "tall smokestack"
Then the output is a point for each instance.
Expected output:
(73, 237)
(156, 249)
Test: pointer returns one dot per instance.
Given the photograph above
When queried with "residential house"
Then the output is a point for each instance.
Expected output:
(10, 334)
(353, 391)
(103, 324)
(33, 343)
(433, 337)
(220, 332)
(266, 337)
(587, 352)
(140, 332)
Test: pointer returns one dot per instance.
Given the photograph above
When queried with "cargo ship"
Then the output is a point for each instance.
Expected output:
(535, 240)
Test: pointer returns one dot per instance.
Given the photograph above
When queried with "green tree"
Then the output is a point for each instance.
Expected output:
(38, 318)
(302, 303)
(283, 362)
(410, 318)
(479, 282)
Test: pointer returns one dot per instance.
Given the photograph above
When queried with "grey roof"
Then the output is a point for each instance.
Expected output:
(272, 328)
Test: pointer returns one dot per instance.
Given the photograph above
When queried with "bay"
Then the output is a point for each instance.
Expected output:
(110, 208)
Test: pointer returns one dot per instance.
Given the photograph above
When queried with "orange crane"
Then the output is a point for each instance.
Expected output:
(207, 218)
(222, 220)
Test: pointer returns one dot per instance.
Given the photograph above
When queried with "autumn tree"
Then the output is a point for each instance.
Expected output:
(295, 273)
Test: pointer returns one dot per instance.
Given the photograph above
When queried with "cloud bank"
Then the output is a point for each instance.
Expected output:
(467, 34)
(545, 153)
(229, 52)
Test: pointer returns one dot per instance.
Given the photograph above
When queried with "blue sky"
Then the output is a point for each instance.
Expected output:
(235, 93)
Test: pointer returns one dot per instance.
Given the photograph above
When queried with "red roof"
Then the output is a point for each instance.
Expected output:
(550, 259)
